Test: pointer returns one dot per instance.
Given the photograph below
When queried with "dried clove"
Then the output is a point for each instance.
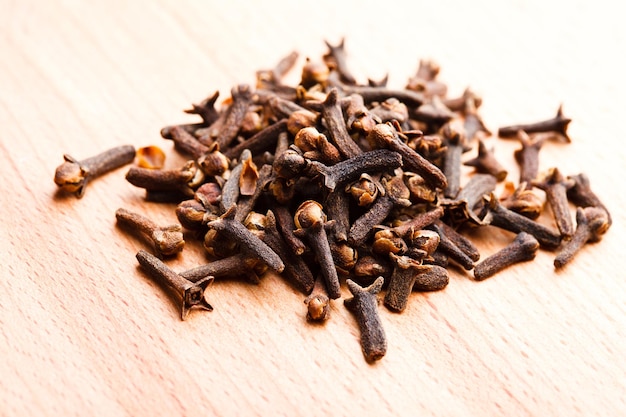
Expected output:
(309, 220)
(318, 303)
(243, 264)
(182, 180)
(167, 240)
(396, 193)
(401, 282)
(237, 231)
(364, 306)
(523, 248)
(555, 186)
(557, 124)
(385, 136)
(592, 224)
(486, 162)
(581, 194)
(74, 175)
(506, 219)
(192, 294)
(380, 160)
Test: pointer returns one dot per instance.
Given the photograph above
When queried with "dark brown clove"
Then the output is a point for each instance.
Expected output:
(523, 248)
(449, 246)
(487, 163)
(401, 282)
(73, 175)
(396, 193)
(336, 60)
(431, 278)
(318, 303)
(236, 231)
(242, 98)
(385, 136)
(309, 220)
(473, 124)
(296, 270)
(275, 75)
(503, 218)
(555, 186)
(455, 146)
(582, 195)
(167, 240)
(592, 224)
(263, 140)
(192, 294)
(244, 264)
(557, 124)
(336, 125)
(344, 172)
(528, 156)
(364, 307)
(206, 110)
(182, 180)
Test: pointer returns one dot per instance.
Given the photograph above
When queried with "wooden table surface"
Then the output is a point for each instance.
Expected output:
(84, 332)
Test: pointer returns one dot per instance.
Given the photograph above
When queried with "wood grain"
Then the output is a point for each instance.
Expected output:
(84, 331)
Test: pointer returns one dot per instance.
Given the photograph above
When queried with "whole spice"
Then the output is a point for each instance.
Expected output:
(523, 248)
(401, 282)
(364, 306)
(555, 186)
(74, 175)
(506, 219)
(191, 294)
(581, 194)
(318, 303)
(167, 240)
(557, 124)
(246, 239)
(309, 220)
(592, 224)
(486, 162)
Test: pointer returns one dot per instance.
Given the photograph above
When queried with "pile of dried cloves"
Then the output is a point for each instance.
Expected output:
(332, 181)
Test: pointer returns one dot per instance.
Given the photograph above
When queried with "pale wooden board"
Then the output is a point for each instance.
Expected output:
(83, 332)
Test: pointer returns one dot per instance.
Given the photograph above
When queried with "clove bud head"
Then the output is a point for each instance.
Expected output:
(309, 214)
(70, 175)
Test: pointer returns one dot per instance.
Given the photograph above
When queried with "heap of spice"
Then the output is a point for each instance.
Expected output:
(331, 182)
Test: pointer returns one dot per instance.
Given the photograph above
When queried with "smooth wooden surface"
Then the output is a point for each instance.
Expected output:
(84, 332)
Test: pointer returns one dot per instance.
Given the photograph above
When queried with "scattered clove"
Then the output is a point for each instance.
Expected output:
(74, 175)
(191, 293)
(364, 306)
(167, 240)
(523, 248)
(592, 224)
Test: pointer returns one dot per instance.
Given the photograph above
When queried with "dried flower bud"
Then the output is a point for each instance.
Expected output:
(289, 164)
(314, 72)
(309, 214)
(386, 241)
(300, 119)
(214, 162)
(365, 190)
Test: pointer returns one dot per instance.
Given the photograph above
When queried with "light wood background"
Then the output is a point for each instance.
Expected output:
(84, 332)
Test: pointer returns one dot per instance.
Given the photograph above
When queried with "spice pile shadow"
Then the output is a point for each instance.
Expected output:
(332, 184)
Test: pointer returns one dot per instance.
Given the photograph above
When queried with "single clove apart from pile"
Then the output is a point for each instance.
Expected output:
(337, 186)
